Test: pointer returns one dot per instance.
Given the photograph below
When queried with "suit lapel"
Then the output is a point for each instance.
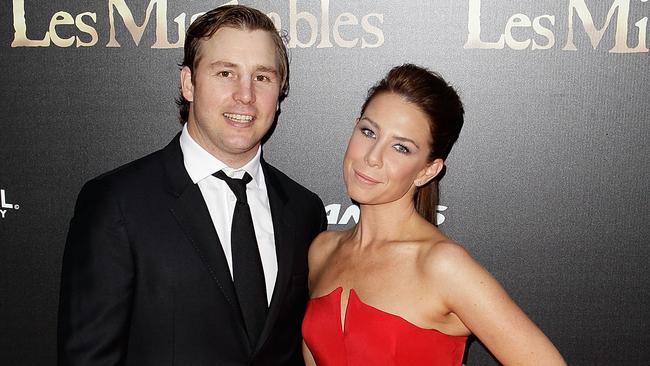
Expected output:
(193, 217)
(282, 218)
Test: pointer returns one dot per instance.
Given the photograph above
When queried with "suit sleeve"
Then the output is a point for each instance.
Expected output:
(323, 216)
(96, 283)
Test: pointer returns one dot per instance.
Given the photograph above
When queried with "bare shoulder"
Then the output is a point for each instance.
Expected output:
(324, 243)
(447, 264)
(437, 252)
(322, 247)
(446, 254)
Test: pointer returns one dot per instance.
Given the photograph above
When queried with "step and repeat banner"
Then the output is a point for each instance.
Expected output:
(547, 186)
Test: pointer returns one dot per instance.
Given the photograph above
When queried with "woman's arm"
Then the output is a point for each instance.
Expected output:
(485, 308)
(306, 354)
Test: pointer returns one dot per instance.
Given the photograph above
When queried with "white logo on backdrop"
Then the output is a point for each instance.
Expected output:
(6, 206)
(81, 30)
(334, 216)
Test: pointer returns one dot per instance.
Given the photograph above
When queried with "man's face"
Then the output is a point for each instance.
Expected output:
(234, 93)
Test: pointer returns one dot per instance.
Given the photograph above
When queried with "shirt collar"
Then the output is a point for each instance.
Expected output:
(200, 164)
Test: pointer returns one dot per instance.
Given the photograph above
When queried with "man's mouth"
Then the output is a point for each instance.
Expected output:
(239, 118)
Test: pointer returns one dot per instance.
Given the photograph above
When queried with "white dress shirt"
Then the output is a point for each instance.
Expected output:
(200, 166)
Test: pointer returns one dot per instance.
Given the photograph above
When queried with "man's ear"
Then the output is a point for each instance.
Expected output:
(187, 86)
(429, 172)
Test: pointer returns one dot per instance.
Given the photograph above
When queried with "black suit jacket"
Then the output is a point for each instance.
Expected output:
(145, 281)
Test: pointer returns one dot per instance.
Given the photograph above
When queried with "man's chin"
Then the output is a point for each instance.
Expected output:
(240, 147)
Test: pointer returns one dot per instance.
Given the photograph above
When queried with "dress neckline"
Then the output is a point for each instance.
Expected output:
(353, 296)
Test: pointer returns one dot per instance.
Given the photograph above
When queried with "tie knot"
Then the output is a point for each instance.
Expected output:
(237, 186)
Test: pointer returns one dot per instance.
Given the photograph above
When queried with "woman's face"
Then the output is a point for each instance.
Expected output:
(387, 152)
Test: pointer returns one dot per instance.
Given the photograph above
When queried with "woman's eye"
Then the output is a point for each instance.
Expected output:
(402, 149)
(368, 133)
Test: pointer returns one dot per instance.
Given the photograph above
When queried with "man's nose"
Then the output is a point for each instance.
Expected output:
(245, 92)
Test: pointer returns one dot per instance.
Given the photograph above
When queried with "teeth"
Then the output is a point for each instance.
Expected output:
(238, 117)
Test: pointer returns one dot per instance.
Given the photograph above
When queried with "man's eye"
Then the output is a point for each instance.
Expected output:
(401, 149)
(262, 78)
(224, 74)
(368, 133)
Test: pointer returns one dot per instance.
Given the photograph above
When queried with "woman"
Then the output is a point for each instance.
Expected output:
(394, 290)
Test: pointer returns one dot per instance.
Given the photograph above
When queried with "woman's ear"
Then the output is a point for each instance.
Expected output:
(429, 172)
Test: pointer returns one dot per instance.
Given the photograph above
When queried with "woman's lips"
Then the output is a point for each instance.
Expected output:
(365, 179)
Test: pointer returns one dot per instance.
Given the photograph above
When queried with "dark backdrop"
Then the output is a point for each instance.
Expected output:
(547, 186)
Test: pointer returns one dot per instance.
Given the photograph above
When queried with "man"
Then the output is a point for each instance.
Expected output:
(158, 267)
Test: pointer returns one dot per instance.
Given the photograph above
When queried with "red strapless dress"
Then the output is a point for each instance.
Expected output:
(373, 337)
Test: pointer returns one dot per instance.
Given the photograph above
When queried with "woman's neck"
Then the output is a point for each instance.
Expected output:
(384, 223)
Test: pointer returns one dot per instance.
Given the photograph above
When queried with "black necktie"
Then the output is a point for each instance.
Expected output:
(248, 275)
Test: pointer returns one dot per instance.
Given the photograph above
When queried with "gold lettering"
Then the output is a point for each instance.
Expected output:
(85, 28)
(325, 25)
(474, 29)
(180, 21)
(642, 25)
(365, 24)
(294, 17)
(20, 29)
(137, 31)
(545, 32)
(345, 19)
(61, 18)
(622, 7)
(87, 33)
(516, 21)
